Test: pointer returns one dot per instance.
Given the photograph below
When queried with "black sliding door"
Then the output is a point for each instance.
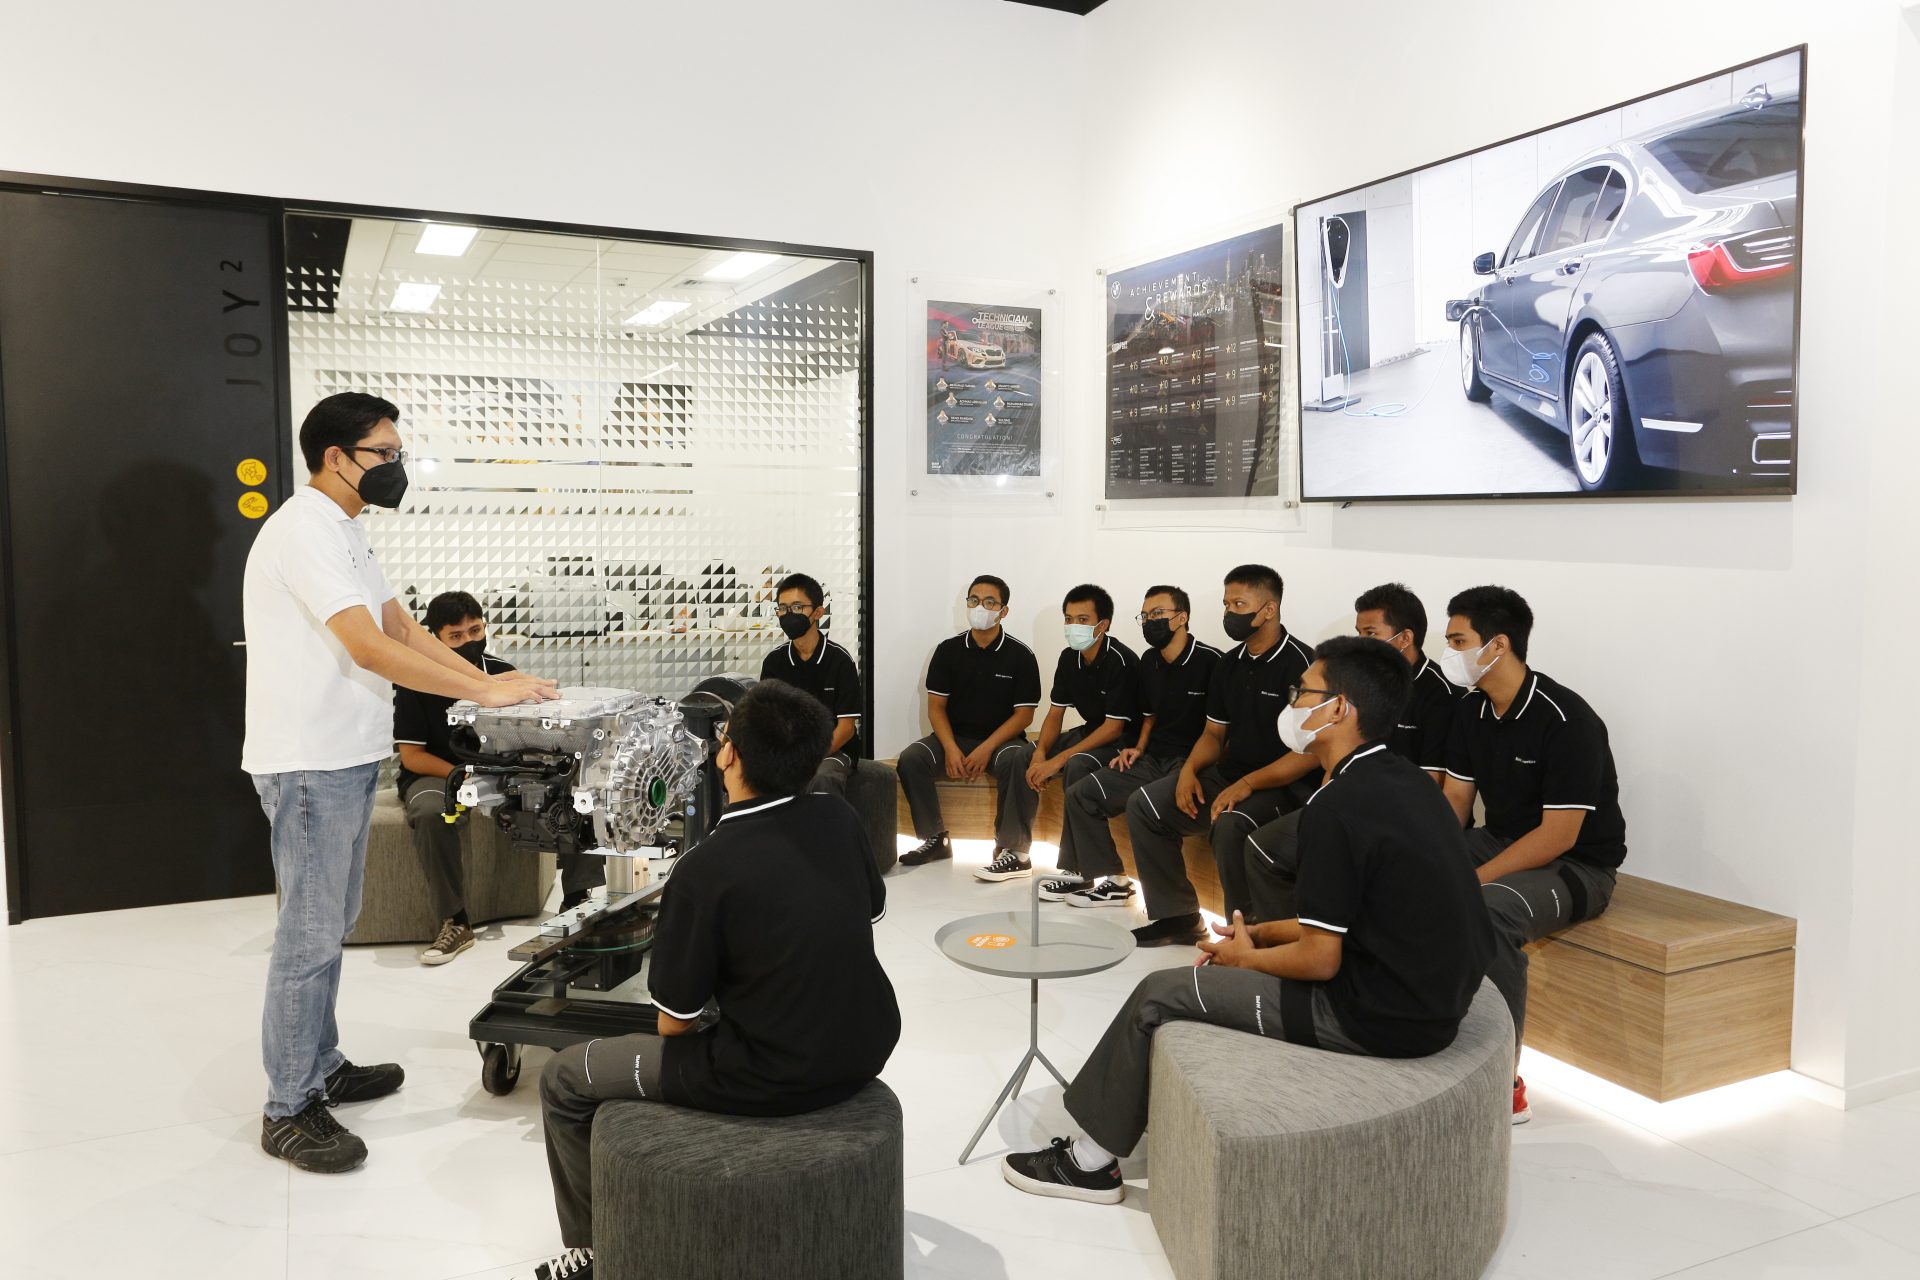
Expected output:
(142, 407)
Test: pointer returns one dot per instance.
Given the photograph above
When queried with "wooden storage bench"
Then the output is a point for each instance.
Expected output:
(1669, 992)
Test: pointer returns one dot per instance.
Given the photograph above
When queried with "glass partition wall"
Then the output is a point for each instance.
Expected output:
(618, 446)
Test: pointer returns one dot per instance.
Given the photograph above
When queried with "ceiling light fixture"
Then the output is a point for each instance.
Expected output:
(740, 265)
(657, 313)
(411, 296)
(444, 241)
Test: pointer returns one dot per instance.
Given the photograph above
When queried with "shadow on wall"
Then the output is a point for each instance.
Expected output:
(1735, 533)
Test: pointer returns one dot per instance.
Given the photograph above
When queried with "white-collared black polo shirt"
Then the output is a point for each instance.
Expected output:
(1247, 695)
(1175, 695)
(1105, 689)
(1426, 721)
(983, 686)
(830, 675)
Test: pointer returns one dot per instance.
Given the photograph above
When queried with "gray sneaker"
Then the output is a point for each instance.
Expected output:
(454, 938)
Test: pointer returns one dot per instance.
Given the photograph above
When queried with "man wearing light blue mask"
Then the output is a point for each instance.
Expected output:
(1096, 675)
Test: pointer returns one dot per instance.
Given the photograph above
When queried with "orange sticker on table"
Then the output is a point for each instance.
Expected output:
(993, 941)
(253, 505)
(251, 471)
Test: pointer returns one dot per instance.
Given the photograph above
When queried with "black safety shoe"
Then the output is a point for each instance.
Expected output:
(1174, 931)
(311, 1139)
(932, 849)
(349, 1083)
(1053, 1173)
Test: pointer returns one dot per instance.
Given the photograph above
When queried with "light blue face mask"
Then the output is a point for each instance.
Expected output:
(1081, 637)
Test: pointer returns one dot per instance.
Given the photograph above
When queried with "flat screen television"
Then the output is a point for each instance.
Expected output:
(1607, 307)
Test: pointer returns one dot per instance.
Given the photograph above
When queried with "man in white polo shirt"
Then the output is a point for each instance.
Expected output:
(326, 642)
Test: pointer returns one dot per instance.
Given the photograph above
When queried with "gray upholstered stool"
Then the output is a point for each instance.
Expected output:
(691, 1194)
(1267, 1157)
(874, 792)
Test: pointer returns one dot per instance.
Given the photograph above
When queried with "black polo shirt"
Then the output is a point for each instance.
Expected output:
(1105, 689)
(420, 719)
(830, 675)
(1549, 751)
(1426, 722)
(983, 686)
(1384, 864)
(1248, 694)
(1174, 694)
(771, 918)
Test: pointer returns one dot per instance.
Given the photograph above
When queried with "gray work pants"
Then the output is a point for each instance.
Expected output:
(1272, 859)
(1014, 803)
(1079, 765)
(1109, 1096)
(1158, 827)
(1086, 831)
(576, 1081)
(437, 844)
(831, 778)
(1527, 906)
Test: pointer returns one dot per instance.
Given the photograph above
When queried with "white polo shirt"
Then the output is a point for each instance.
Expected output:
(308, 705)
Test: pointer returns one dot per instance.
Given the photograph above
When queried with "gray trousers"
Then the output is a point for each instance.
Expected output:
(1527, 906)
(437, 844)
(1086, 831)
(1158, 827)
(831, 778)
(577, 1080)
(1014, 803)
(1272, 859)
(1079, 765)
(1109, 1096)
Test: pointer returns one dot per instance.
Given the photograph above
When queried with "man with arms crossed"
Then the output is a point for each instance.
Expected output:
(1390, 946)
(769, 920)
(810, 661)
(326, 642)
(1536, 753)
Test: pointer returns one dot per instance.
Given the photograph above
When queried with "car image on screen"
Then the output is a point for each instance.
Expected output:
(1644, 304)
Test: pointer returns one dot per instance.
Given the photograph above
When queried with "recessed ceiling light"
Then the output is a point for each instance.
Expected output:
(740, 265)
(444, 241)
(410, 296)
(659, 312)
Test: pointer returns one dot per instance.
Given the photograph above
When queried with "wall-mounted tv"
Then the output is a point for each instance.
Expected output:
(1607, 307)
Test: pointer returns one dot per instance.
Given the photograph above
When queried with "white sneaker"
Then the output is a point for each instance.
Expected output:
(1007, 866)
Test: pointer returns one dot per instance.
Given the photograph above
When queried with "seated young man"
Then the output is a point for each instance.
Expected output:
(1174, 674)
(810, 661)
(420, 735)
(1096, 675)
(1237, 777)
(1393, 614)
(982, 688)
(1389, 948)
(1536, 753)
(769, 920)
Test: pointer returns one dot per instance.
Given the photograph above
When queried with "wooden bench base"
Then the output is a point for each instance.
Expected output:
(1668, 993)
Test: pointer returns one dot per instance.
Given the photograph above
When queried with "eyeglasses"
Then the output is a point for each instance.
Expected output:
(1157, 614)
(1295, 690)
(782, 610)
(975, 602)
(386, 454)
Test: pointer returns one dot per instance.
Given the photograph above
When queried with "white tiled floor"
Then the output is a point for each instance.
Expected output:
(130, 1086)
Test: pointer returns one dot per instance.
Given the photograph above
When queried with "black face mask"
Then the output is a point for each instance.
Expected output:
(473, 651)
(384, 485)
(1157, 632)
(1239, 626)
(795, 624)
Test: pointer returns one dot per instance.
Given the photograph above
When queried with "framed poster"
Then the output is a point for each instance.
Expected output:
(983, 389)
(1195, 358)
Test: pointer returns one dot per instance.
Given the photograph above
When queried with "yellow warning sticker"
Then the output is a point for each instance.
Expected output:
(253, 505)
(251, 471)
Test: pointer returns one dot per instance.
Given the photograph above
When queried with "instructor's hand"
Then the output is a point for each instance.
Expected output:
(493, 693)
(524, 677)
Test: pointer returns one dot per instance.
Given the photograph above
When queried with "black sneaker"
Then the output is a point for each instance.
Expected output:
(1174, 931)
(932, 849)
(1006, 865)
(574, 1264)
(1061, 887)
(1053, 1173)
(1102, 893)
(349, 1083)
(311, 1139)
(574, 899)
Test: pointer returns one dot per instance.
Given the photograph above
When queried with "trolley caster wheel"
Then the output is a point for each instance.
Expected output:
(499, 1068)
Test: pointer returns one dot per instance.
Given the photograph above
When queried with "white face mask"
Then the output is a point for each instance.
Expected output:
(1293, 730)
(1465, 669)
(1080, 637)
(981, 618)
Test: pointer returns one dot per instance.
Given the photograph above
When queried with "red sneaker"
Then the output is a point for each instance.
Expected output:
(1521, 1111)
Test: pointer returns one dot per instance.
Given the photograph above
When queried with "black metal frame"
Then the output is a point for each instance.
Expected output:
(280, 208)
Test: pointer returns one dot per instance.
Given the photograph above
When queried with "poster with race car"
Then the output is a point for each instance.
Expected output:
(1194, 366)
(983, 390)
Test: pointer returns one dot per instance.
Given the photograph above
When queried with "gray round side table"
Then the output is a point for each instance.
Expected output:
(1023, 944)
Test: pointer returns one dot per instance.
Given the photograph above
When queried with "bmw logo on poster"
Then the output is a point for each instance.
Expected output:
(983, 390)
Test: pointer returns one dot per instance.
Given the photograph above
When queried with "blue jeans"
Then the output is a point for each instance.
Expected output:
(320, 820)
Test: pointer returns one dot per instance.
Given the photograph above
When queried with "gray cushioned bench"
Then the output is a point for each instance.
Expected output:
(1271, 1159)
(691, 1195)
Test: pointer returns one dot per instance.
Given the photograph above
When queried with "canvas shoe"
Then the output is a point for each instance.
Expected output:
(1521, 1111)
(1059, 887)
(1103, 893)
(1052, 1172)
(453, 938)
(1006, 865)
(932, 849)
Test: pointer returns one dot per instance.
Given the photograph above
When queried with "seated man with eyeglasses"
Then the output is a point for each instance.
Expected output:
(982, 688)
(810, 661)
